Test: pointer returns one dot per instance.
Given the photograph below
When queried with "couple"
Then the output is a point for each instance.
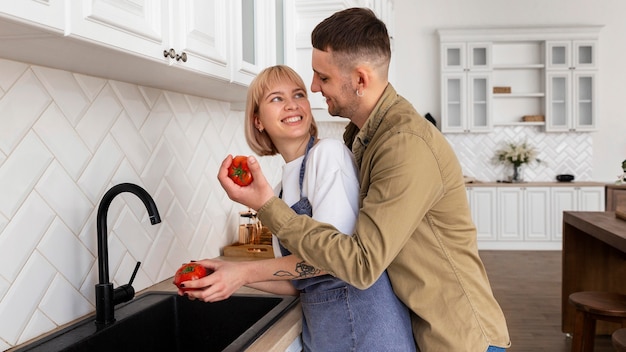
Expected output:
(408, 218)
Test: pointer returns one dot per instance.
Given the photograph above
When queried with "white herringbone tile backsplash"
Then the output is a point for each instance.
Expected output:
(65, 139)
(561, 153)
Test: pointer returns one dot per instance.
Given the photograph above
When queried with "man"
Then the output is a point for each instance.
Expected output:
(414, 219)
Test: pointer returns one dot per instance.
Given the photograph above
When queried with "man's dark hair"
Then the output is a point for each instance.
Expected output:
(355, 34)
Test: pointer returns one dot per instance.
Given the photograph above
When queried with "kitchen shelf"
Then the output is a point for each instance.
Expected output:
(521, 123)
(518, 95)
(518, 66)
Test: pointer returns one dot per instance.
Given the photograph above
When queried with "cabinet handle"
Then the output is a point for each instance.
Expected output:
(171, 53)
(182, 56)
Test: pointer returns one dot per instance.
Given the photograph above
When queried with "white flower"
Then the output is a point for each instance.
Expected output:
(516, 154)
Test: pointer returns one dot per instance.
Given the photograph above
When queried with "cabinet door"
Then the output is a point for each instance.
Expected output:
(466, 102)
(203, 33)
(48, 14)
(558, 101)
(254, 38)
(482, 202)
(584, 54)
(558, 55)
(584, 101)
(453, 57)
(563, 199)
(472, 56)
(453, 93)
(479, 100)
(510, 214)
(536, 208)
(479, 56)
(591, 199)
(141, 28)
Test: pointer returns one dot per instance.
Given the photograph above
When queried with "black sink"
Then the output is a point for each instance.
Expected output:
(164, 321)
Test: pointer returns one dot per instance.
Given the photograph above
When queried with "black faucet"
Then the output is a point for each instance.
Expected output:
(106, 296)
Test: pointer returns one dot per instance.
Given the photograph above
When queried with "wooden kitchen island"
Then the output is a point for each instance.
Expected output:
(594, 259)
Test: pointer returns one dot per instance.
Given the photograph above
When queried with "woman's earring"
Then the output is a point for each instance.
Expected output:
(260, 129)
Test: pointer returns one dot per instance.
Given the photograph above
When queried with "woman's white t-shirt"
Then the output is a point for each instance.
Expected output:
(330, 183)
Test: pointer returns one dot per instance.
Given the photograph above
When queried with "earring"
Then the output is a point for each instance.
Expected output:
(261, 129)
(359, 94)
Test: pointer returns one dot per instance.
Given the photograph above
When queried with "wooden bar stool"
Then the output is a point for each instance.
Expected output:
(619, 340)
(590, 307)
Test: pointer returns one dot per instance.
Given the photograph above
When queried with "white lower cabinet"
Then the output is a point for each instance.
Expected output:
(527, 217)
(523, 213)
(483, 198)
(574, 198)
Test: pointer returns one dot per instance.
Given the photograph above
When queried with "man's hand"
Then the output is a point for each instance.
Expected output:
(256, 194)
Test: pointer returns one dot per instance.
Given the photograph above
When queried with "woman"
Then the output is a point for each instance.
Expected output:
(319, 179)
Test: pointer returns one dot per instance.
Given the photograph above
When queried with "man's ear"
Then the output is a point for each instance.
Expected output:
(362, 77)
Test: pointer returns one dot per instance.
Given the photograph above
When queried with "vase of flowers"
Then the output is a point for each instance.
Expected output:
(517, 155)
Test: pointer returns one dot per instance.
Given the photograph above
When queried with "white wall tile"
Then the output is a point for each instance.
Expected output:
(97, 174)
(38, 324)
(129, 140)
(56, 243)
(132, 235)
(22, 234)
(133, 102)
(10, 71)
(99, 118)
(21, 171)
(20, 302)
(16, 117)
(62, 303)
(63, 141)
(65, 91)
(91, 86)
(64, 197)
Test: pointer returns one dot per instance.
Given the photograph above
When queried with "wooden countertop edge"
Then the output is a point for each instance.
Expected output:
(536, 184)
(281, 334)
(602, 225)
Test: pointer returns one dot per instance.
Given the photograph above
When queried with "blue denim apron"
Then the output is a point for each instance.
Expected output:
(339, 317)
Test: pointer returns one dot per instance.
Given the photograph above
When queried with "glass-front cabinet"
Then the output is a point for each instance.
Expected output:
(466, 87)
(571, 80)
(571, 54)
(519, 77)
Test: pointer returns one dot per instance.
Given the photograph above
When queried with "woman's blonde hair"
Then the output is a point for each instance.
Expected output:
(260, 142)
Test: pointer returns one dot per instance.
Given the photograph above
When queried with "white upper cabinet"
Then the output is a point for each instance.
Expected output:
(47, 14)
(466, 87)
(194, 34)
(209, 48)
(466, 56)
(201, 35)
(140, 27)
(571, 54)
(571, 81)
(532, 76)
(257, 47)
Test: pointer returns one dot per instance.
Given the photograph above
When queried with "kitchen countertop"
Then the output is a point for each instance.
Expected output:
(277, 338)
(536, 184)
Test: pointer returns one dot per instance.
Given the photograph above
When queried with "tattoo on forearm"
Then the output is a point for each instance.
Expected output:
(302, 270)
